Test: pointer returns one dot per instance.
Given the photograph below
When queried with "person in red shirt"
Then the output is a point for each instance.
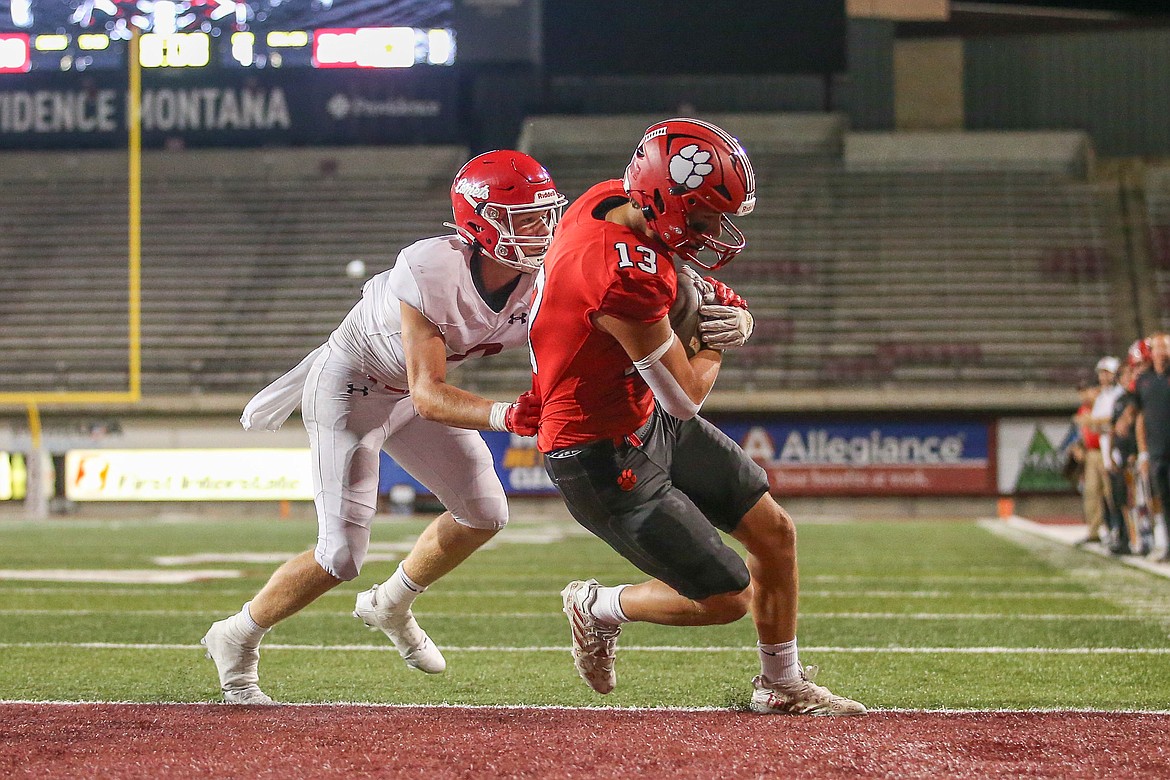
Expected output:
(619, 420)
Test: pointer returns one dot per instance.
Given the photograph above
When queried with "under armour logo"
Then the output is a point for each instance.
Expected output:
(351, 388)
(521, 317)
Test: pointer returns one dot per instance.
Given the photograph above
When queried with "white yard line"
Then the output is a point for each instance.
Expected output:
(440, 591)
(120, 576)
(114, 612)
(625, 649)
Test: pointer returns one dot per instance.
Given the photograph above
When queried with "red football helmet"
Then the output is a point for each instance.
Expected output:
(508, 204)
(1139, 352)
(681, 165)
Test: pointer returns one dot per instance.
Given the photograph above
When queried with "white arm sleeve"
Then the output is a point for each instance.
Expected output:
(667, 391)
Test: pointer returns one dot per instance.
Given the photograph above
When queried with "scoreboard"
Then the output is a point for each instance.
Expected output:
(92, 35)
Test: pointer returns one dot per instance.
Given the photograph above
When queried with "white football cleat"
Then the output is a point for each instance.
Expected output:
(237, 666)
(594, 642)
(803, 697)
(413, 644)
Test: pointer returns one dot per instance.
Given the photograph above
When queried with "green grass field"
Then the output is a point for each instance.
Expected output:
(898, 615)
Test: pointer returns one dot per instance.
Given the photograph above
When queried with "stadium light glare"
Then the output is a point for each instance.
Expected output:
(364, 47)
(51, 42)
(287, 39)
(181, 50)
(244, 48)
(14, 53)
(93, 42)
(440, 47)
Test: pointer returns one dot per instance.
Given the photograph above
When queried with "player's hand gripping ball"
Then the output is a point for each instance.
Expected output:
(684, 313)
(725, 321)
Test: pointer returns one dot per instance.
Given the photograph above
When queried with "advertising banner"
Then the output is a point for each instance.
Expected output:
(188, 475)
(1032, 453)
(869, 458)
(517, 461)
(801, 458)
(295, 106)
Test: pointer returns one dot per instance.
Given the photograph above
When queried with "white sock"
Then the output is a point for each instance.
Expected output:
(399, 591)
(244, 628)
(779, 662)
(607, 607)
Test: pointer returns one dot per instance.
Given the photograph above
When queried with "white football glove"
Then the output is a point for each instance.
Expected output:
(724, 327)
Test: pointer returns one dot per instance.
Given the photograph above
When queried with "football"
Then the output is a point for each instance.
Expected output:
(684, 312)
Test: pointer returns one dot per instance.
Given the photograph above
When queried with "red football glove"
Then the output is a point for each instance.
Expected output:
(722, 295)
(523, 416)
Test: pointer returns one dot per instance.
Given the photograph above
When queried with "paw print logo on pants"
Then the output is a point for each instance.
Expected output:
(690, 165)
(627, 479)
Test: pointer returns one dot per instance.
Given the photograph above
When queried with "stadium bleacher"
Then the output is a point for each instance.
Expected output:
(977, 265)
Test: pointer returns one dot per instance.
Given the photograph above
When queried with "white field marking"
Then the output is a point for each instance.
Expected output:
(552, 592)
(566, 707)
(378, 552)
(947, 594)
(626, 649)
(258, 557)
(122, 576)
(1129, 588)
(957, 579)
(558, 616)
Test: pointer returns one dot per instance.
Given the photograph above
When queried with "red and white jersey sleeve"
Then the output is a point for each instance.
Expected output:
(433, 276)
(588, 386)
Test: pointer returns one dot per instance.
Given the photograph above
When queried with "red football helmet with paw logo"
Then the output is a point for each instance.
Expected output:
(508, 204)
(683, 166)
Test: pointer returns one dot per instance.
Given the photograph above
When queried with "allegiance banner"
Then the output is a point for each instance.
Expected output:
(870, 458)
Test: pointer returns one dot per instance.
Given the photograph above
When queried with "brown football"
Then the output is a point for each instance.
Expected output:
(684, 314)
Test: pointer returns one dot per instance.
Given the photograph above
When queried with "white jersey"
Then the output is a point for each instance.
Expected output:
(432, 275)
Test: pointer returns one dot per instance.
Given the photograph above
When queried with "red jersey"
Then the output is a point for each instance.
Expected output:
(1091, 438)
(588, 386)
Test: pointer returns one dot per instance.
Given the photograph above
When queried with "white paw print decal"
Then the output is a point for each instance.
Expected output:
(689, 166)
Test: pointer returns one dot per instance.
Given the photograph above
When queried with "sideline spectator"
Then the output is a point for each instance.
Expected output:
(1088, 441)
(1121, 452)
(1098, 496)
(1153, 427)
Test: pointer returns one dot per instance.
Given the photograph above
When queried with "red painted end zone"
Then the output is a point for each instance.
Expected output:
(151, 741)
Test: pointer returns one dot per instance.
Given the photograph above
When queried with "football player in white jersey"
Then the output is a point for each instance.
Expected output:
(379, 383)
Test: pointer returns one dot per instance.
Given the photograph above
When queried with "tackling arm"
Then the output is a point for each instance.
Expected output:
(437, 400)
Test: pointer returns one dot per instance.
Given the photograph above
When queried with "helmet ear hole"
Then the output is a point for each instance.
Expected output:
(659, 202)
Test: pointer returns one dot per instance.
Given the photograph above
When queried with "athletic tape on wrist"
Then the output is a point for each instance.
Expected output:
(497, 416)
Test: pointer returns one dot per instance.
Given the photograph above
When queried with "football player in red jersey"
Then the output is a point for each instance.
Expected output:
(619, 424)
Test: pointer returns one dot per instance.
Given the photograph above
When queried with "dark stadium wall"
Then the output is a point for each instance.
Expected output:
(1114, 84)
